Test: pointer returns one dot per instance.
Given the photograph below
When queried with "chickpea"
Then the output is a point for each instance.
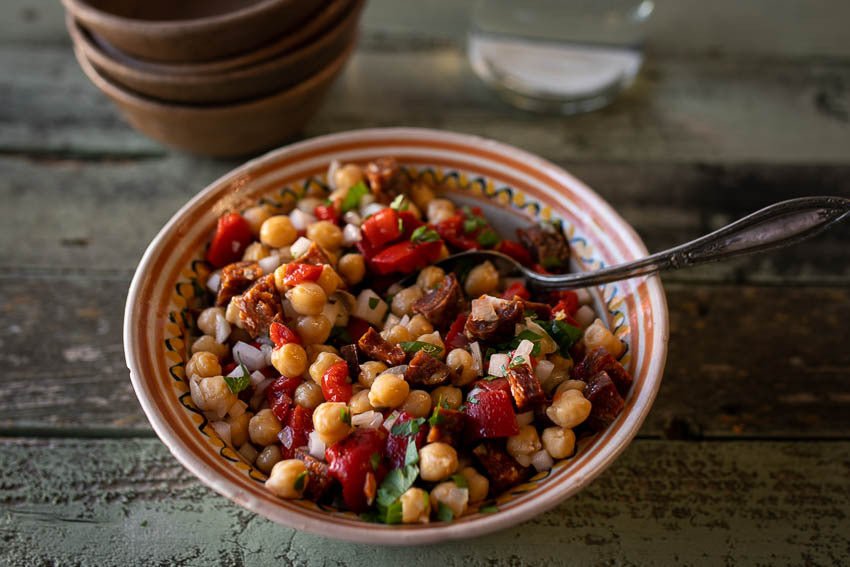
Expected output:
(326, 234)
(209, 344)
(388, 391)
(437, 461)
(359, 403)
(402, 303)
(323, 361)
(288, 479)
(482, 279)
(449, 494)
(417, 403)
(419, 325)
(239, 428)
(559, 442)
(203, 365)
(347, 177)
(585, 316)
(290, 360)
(255, 251)
(430, 277)
(238, 408)
(415, 506)
(211, 394)
(397, 334)
(332, 421)
(308, 395)
(447, 396)
(231, 313)
(597, 335)
(369, 371)
(524, 444)
(569, 408)
(207, 320)
(314, 329)
(461, 364)
(263, 428)
(434, 339)
(421, 194)
(268, 458)
(307, 298)
(249, 453)
(277, 232)
(352, 268)
(440, 210)
(477, 484)
(329, 280)
(570, 385)
(256, 216)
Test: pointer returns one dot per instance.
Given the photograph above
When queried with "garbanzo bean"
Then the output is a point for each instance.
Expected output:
(290, 360)
(256, 216)
(268, 458)
(461, 363)
(369, 371)
(415, 506)
(447, 397)
(308, 395)
(307, 298)
(288, 479)
(263, 428)
(397, 334)
(402, 303)
(323, 361)
(524, 444)
(419, 325)
(451, 495)
(203, 365)
(326, 234)
(313, 329)
(255, 251)
(239, 428)
(597, 335)
(483, 278)
(477, 484)
(569, 408)
(559, 442)
(417, 403)
(437, 461)
(207, 320)
(359, 403)
(434, 339)
(328, 280)
(352, 267)
(277, 232)
(388, 391)
(332, 421)
(211, 394)
(208, 343)
(347, 176)
(430, 277)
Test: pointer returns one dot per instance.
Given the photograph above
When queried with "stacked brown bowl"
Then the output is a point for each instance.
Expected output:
(214, 77)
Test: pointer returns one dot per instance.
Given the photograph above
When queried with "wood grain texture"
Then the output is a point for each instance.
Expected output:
(743, 361)
(103, 502)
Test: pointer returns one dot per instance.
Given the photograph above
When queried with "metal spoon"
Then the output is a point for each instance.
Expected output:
(775, 226)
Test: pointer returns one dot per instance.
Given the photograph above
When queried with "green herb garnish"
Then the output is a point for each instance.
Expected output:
(396, 483)
(564, 334)
(352, 198)
(300, 480)
(411, 454)
(489, 509)
(238, 383)
(424, 234)
(399, 203)
(400, 225)
(436, 418)
(373, 302)
(444, 513)
(488, 238)
(375, 461)
(409, 427)
(345, 415)
(518, 361)
(460, 481)
(414, 346)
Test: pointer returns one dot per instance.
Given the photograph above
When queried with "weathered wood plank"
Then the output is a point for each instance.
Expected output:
(130, 502)
(100, 215)
(743, 361)
(704, 108)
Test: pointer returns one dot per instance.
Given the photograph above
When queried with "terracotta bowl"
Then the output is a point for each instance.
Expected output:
(328, 16)
(237, 85)
(507, 183)
(226, 130)
(190, 30)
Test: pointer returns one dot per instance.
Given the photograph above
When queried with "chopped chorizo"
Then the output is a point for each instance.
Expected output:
(259, 306)
(319, 474)
(606, 402)
(349, 354)
(440, 306)
(502, 469)
(508, 314)
(600, 360)
(525, 387)
(385, 179)
(235, 278)
(314, 255)
(426, 370)
(548, 246)
(376, 348)
(447, 426)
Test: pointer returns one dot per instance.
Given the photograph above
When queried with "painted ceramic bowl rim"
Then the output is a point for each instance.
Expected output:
(365, 532)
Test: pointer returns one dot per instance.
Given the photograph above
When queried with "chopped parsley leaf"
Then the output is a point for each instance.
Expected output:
(424, 234)
(300, 480)
(238, 383)
(414, 346)
(373, 302)
(444, 513)
(352, 198)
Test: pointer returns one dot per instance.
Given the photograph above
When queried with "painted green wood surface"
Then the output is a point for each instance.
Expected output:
(119, 502)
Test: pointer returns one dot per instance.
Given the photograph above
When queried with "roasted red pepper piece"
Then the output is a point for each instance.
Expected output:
(516, 251)
(447, 426)
(567, 302)
(297, 430)
(397, 444)
(296, 273)
(326, 212)
(281, 334)
(232, 235)
(280, 395)
(490, 414)
(381, 228)
(336, 384)
(497, 384)
(409, 223)
(357, 327)
(516, 290)
(455, 337)
(405, 257)
(451, 230)
(351, 461)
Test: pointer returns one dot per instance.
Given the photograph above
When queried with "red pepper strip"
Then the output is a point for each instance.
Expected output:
(567, 302)
(405, 257)
(451, 230)
(298, 428)
(381, 228)
(232, 235)
(295, 273)
(455, 337)
(280, 394)
(336, 385)
(281, 334)
(516, 251)
(326, 212)
(516, 289)
(350, 462)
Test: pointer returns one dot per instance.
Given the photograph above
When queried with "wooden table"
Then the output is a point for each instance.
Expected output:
(745, 457)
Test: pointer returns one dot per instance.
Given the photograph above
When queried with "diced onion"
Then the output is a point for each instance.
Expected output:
(498, 364)
(222, 328)
(264, 340)
(371, 209)
(585, 316)
(477, 359)
(222, 429)
(214, 281)
(330, 311)
(584, 297)
(524, 350)
(524, 460)
(300, 247)
(542, 461)
(400, 370)
(525, 418)
(307, 205)
(404, 320)
(257, 377)
(259, 392)
(544, 370)
(390, 421)
(367, 420)
(288, 309)
(351, 217)
(315, 446)
(269, 264)
(286, 436)
(267, 352)
(482, 310)
(351, 235)
(363, 310)
(238, 408)
(331, 174)
(301, 220)
(253, 358)
(392, 321)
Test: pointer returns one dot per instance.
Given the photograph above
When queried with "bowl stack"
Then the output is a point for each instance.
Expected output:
(214, 77)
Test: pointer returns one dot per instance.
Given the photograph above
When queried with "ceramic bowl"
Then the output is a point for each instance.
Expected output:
(329, 15)
(190, 30)
(505, 181)
(222, 130)
(232, 86)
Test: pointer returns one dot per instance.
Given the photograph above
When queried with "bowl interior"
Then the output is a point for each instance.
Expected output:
(168, 10)
(513, 187)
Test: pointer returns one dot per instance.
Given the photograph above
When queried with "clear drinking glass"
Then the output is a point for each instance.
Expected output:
(567, 56)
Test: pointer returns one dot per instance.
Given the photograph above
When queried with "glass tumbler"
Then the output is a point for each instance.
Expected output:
(565, 56)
